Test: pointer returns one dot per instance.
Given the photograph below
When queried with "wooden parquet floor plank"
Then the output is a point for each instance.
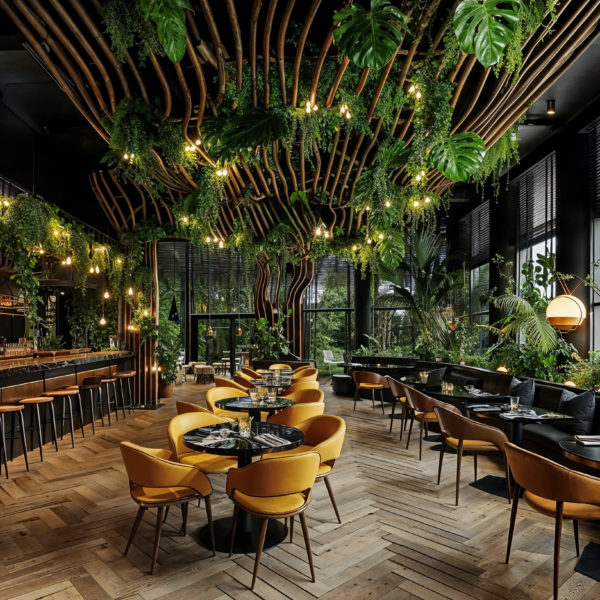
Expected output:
(65, 523)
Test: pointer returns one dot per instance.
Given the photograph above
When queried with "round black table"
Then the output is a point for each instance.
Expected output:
(585, 455)
(347, 366)
(254, 410)
(248, 527)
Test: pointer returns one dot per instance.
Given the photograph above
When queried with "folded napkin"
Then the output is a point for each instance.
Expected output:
(476, 392)
(527, 414)
(268, 440)
(588, 437)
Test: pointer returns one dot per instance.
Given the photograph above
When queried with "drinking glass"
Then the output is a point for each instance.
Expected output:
(514, 403)
(272, 395)
(262, 392)
(254, 396)
(224, 432)
(53, 355)
(245, 424)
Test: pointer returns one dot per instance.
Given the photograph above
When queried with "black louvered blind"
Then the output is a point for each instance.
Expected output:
(532, 200)
(474, 235)
(595, 168)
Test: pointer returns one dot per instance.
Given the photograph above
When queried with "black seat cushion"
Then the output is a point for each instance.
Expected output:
(547, 396)
(546, 436)
(525, 390)
(463, 380)
(579, 406)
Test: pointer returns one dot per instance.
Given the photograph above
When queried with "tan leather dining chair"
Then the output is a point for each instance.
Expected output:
(364, 380)
(279, 488)
(421, 407)
(306, 396)
(397, 389)
(280, 366)
(463, 434)
(554, 491)
(155, 481)
(302, 368)
(300, 385)
(213, 395)
(297, 413)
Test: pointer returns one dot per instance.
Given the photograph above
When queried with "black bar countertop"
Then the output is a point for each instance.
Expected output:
(22, 366)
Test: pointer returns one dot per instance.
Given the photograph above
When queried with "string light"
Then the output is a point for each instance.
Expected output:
(422, 173)
(215, 240)
(160, 369)
(355, 248)
(318, 231)
(91, 269)
(198, 142)
(118, 260)
(418, 95)
(411, 89)
(6, 203)
(55, 232)
(106, 295)
(367, 208)
(369, 240)
(418, 177)
(416, 203)
(130, 291)
(220, 244)
(208, 240)
(387, 203)
(69, 261)
(185, 219)
(427, 199)
(381, 236)
(327, 234)
(97, 269)
(145, 313)
(41, 251)
(307, 107)
(132, 155)
(102, 321)
(125, 156)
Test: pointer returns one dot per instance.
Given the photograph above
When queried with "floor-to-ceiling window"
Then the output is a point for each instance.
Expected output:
(594, 164)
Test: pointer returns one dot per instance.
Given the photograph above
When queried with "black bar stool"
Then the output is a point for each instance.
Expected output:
(41, 430)
(107, 379)
(12, 409)
(65, 394)
(129, 375)
(90, 383)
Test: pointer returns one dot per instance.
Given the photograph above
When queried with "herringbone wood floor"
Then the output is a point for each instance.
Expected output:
(64, 525)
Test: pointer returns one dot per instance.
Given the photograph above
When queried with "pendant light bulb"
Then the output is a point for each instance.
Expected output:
(354, 248)
(145, 313)
(130, 291)
(318, 232)
(69, 260)
(125, 156)
(381, 236)
(97, 269)
(102, 321)
(551, 107)
(427, 199)
(91, 269)
(418, 177)
(209, 332)
(215, 240)
(106, 295)
(208, 240)
(387, 203)
(416, 203)
(239, 332)
(220, 244)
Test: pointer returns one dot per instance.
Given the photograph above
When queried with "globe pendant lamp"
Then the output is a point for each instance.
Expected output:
(209, 332)
(565, 313)
(173, 314)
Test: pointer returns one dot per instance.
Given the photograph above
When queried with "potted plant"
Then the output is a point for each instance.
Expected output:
(269, 341)
(167, 353)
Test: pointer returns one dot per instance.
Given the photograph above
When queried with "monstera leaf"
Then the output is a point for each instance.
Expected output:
(369, 39)
(212, 132)
(459, 156)
(484, 29)
(169, 16)
(255, 127)
(395, 156)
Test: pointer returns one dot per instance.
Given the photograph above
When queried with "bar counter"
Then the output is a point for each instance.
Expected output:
(28, 377)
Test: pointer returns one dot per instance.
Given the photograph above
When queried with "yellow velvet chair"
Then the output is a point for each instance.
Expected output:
(302, 368)
(300, 385)
(306, 396)
(280, 366)
(187, 407)
(221, 382)
(323, 434)
(306, 375)
(297, 413)
(274, 489)
(207, 463)
(213, 395)
(157, 482)
(248, 371)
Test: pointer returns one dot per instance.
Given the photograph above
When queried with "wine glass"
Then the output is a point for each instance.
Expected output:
(272, 395)
(53, 355)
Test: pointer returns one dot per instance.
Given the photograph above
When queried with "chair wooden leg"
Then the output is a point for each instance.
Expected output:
(458, 467)
(3, 445)
(291, 530)
(381, 400)
(136, 524)
(307, 544)
(330, 490)
(507, 474)
(81, 417)
(166, 514)
(441, 460)
(576, 534)
(475, 464)
(259, 549)
(513, 518)
(236, 510)
(373, 397)
(71, 421)
(356, 393)
(39, 430)
(403, 421)
(412, 420)
(210, 522)
(422, 424)
(392, 415)
(159, 522)
(557, 535)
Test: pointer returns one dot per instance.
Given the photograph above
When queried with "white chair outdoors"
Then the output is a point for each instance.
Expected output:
(329, 359)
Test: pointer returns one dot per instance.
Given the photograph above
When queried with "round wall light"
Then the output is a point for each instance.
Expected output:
(565, 313)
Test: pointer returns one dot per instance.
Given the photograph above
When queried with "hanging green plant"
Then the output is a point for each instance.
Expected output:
(460, 156)
(169, 16)
(484, 29)
(370, 38)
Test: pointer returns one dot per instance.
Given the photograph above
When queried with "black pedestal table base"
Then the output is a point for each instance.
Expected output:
(246, 534)
(589, 563)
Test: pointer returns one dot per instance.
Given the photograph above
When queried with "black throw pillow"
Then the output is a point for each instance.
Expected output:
(524, 389)
(581, 407)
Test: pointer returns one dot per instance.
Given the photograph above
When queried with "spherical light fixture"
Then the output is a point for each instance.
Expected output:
(240, 333)
(570, 383)
(565, 313)
(387, 203)
(106, 295)
(102, 321)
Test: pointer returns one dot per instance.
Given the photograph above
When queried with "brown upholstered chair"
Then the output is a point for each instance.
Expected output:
(248, 371)
(364, 380)
(554, 491)
(399, 395)
(461, 433)
(421, 407)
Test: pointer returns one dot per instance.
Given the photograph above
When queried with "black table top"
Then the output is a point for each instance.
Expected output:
(461, 392)
(541, 414)
(245, 403)
(416, 379)
(589, 454)
(243, 447)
